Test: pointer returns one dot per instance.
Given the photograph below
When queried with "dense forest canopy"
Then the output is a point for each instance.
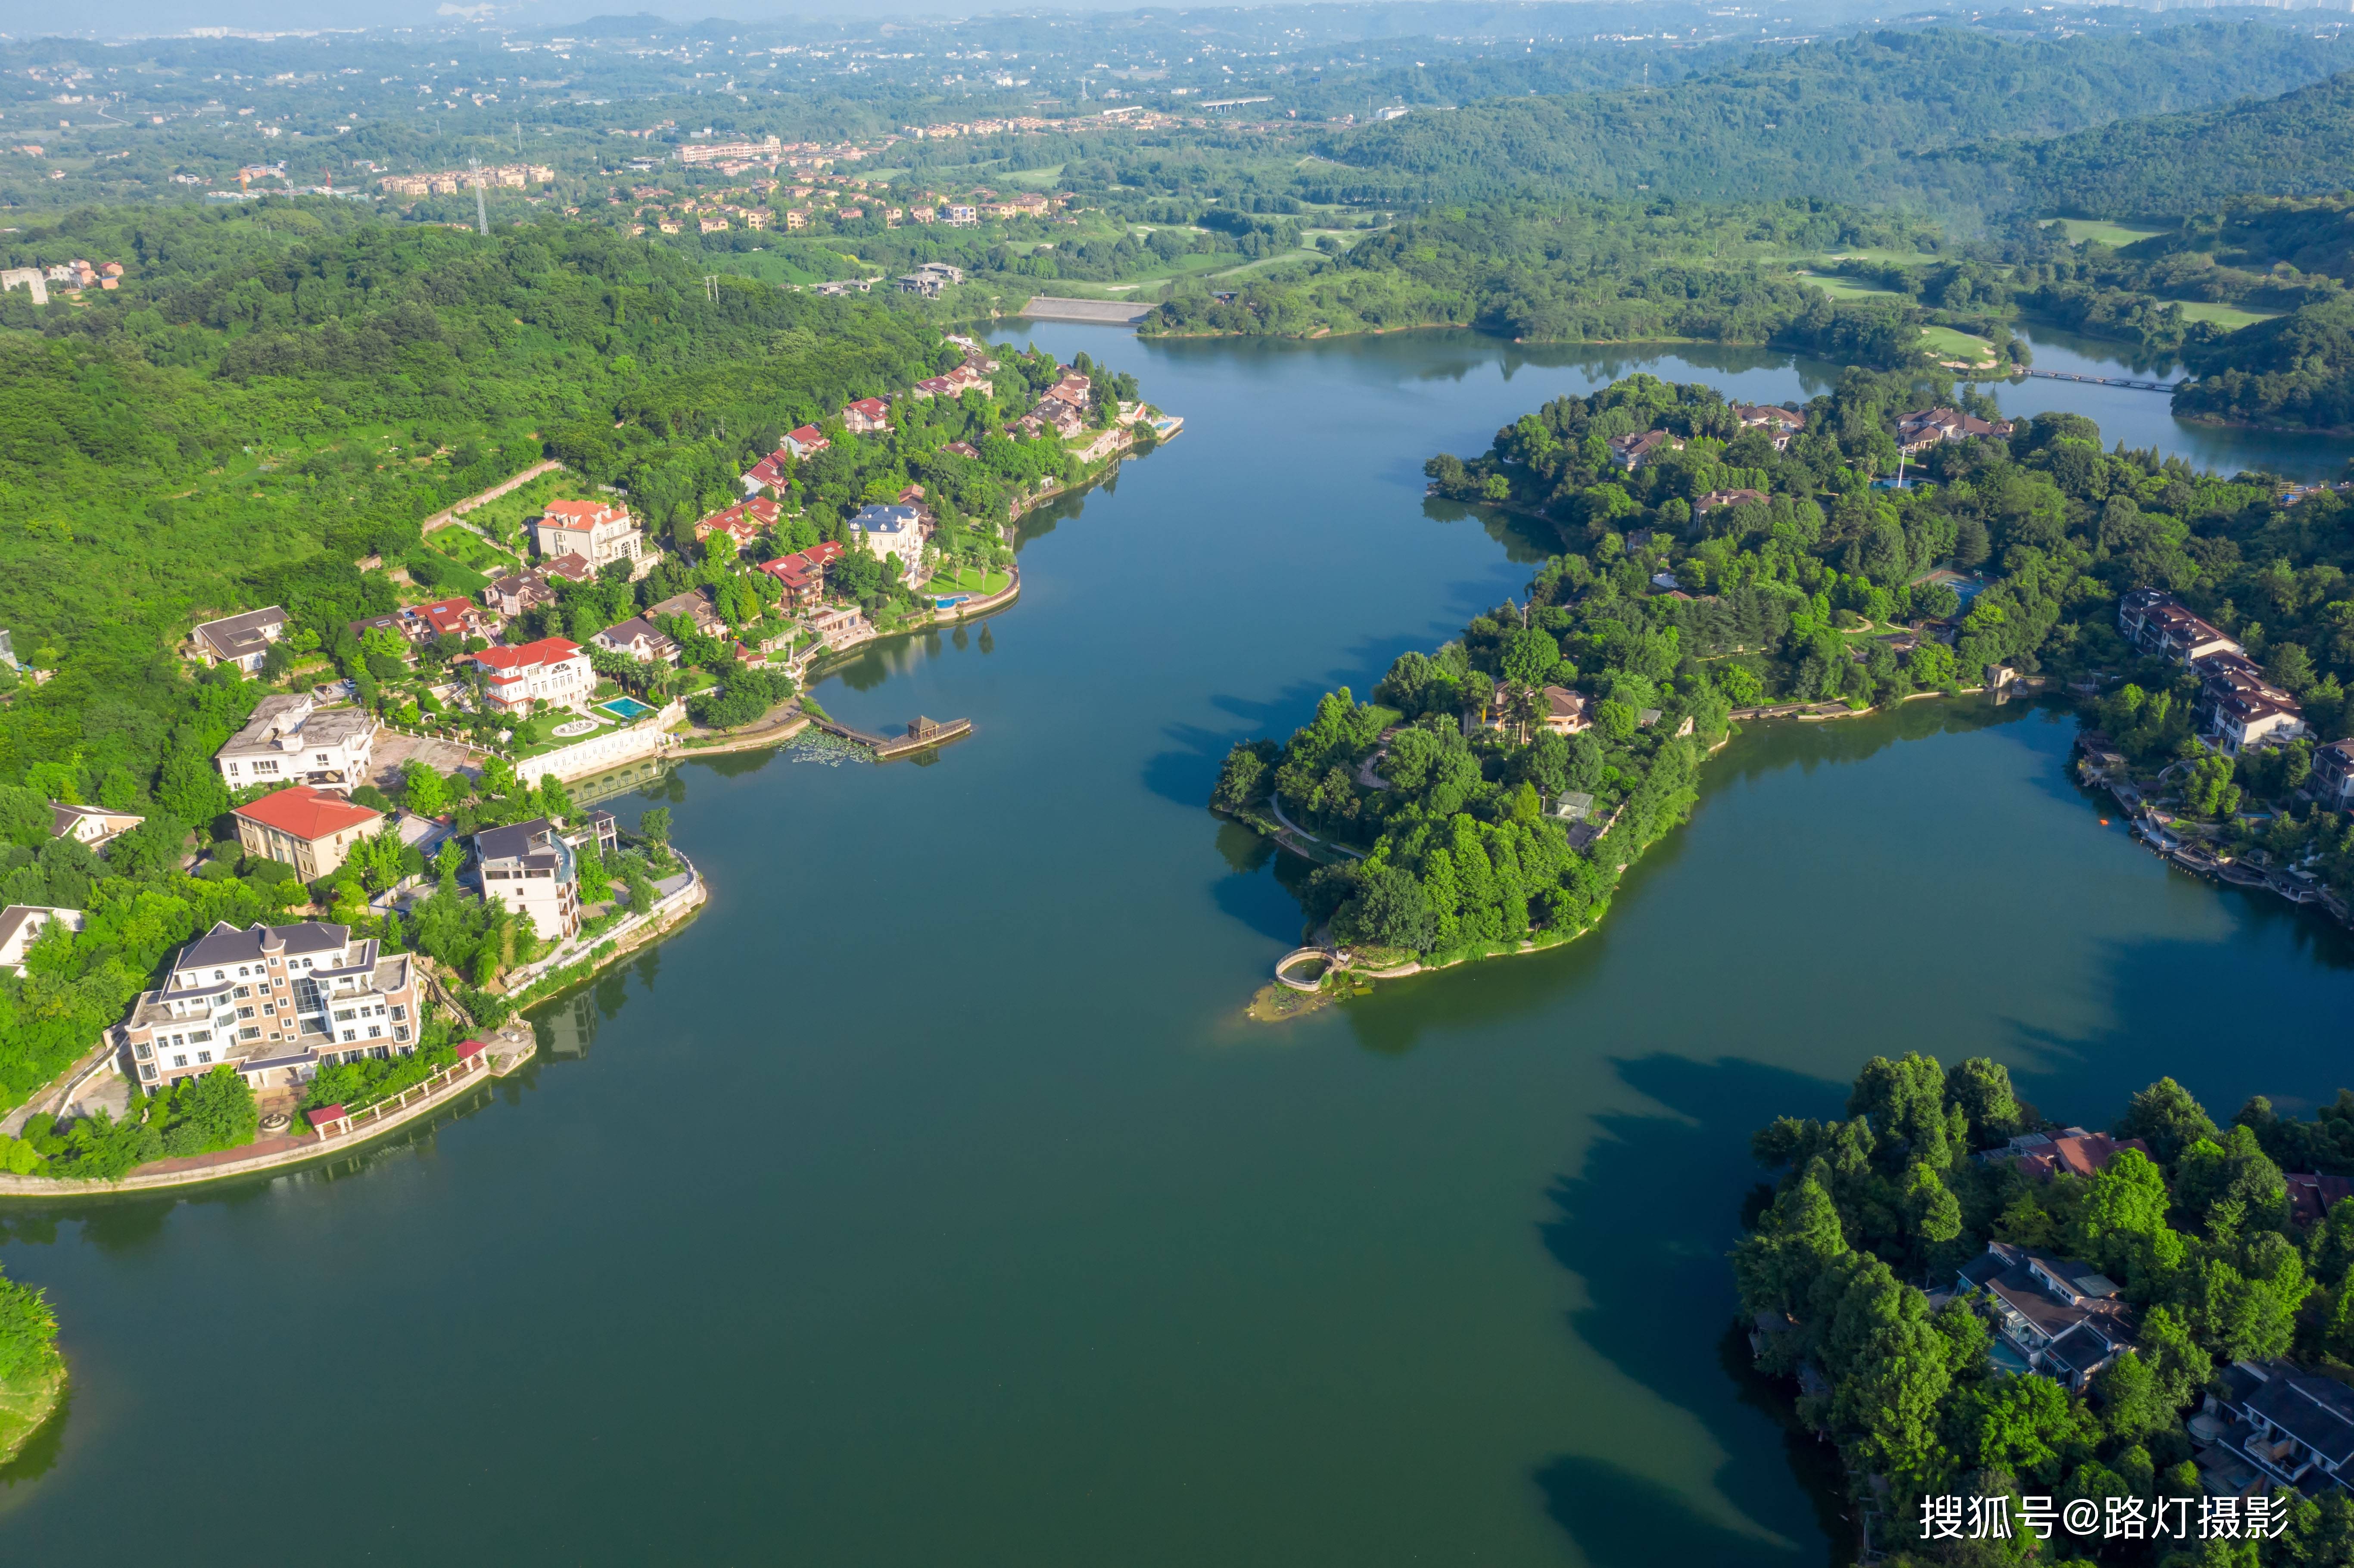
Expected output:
(1844, 120)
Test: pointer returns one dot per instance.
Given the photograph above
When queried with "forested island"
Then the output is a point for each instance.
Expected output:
(1710, 560)
(2081, 1333)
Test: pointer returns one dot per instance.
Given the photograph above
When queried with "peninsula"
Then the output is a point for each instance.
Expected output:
(1714, 562)
(321, 836)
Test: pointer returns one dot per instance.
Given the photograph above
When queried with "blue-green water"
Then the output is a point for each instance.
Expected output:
(927, 1200)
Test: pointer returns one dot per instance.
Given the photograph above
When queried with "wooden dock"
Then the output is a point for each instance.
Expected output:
(922, 734)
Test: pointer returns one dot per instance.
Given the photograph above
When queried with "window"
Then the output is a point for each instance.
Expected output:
(351, 1035)
(245, 1013)
(179, 1061)
(400, 1032)
(399, 1012)
(344, 1015)
(220, 974)
(271, 1008)
(144, 1050)
(148, 1072)
(204, 1056)
(242, 991)
(375, 1029)
(249, 1034)
(198, 1036)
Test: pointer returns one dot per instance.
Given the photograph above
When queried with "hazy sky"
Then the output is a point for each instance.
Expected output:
(27, 18)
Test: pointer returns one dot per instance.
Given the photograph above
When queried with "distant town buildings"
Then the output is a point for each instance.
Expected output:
(1918, 431)
(2237, 707)
(452, 181)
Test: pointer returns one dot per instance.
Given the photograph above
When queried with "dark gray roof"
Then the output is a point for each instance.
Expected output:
(237, 635)
(225, 944)
(511, 843)
(2084, 1348)
(1986, 1265)
(2315, 1411)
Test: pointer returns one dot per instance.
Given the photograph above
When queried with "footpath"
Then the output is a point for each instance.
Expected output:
(500, 1055)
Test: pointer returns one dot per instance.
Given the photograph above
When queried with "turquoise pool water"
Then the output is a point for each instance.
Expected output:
(627, 708)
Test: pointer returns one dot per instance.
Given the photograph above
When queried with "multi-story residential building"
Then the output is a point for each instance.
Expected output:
(1778, 423)
(867, 416)
(238, 639)
(1633, 450)
(2297, 1429)
(2333, 772)
(311, 830)
(638, 637)
(94, 826)
(531, 869)
(275, 1002)
(804, 443)
(1924, 429)
(291, 739)
(594, 530)
(554, 671)
(21, 926)
(2154, 621)
(891, 531)
(802, 572)
(744, 522)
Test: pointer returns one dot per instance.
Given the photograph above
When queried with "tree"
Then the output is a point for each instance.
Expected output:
(423, 790)
(1981, 1088)
(1904, 1101)
(1932, 1214)
(2132, 1401)
(2122, 1223)
(2028, 1425)
(2164, 1116)
(654, 826)
(1389, 909)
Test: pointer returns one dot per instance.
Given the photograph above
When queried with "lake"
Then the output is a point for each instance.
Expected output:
(927, 1200)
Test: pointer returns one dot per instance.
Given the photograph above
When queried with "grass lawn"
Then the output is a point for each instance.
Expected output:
(503, 518)
(2120, 235)
(1028, 179)
(967, 579)
(472, 551)
(2230, 317)
(1946, 343)
(25, 1405)
(1848, 288)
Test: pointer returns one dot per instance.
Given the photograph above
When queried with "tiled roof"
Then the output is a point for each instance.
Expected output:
(307, 813)
(547, 650)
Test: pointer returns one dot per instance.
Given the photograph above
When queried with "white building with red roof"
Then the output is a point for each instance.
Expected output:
(596, 530)
(308, 829)
(867, 416)
(554, 671)
(804, 443)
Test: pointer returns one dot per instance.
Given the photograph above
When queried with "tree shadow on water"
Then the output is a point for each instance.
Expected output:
(1646, 1225)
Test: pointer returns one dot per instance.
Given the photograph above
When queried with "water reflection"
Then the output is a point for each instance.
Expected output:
(1655, 1290)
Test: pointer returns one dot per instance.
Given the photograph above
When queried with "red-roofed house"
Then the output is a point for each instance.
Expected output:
(804, 443)
(867, 416)
(308, 829)
(595, 529)
(768, 472)
(452, 618)
(744, 522)
(802, 572)
(2080, 1154)
(554, 671)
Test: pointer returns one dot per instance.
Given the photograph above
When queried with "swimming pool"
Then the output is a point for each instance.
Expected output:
(627, 708)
